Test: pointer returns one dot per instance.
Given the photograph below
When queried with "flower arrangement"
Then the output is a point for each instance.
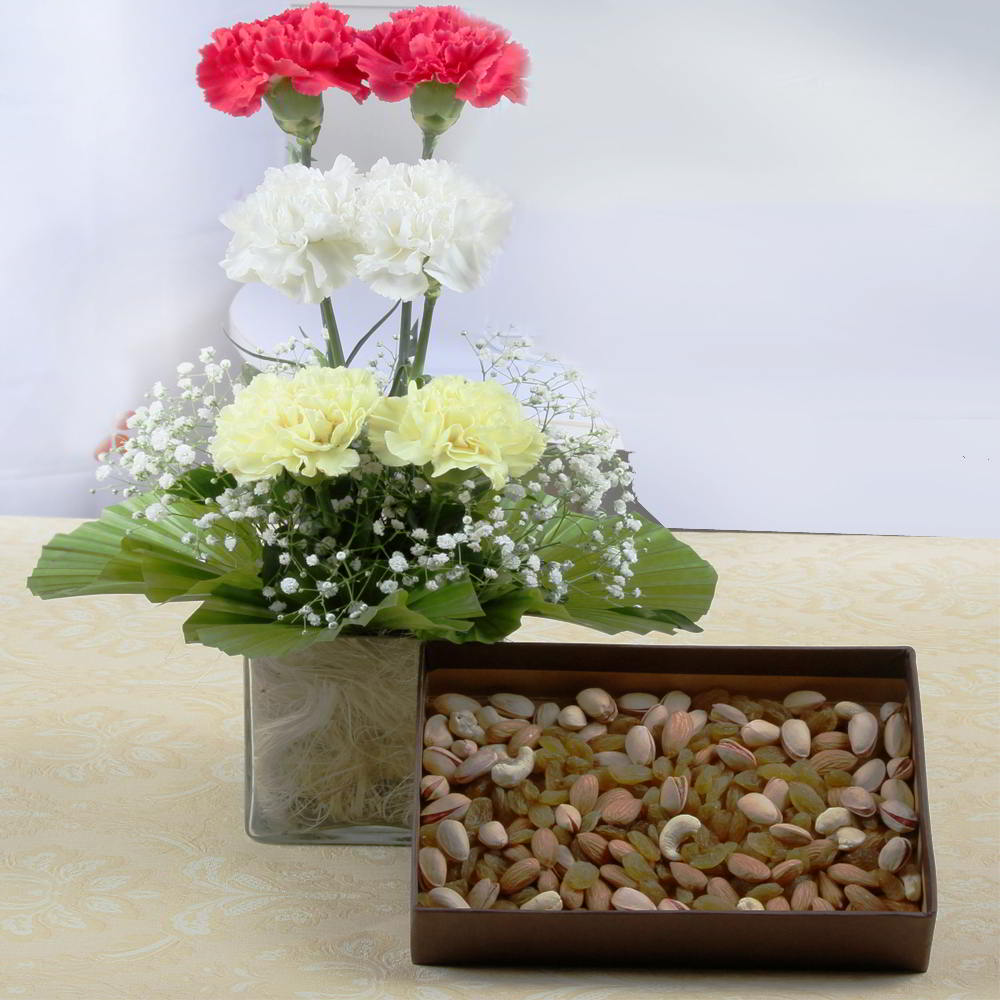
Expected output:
(304, 499)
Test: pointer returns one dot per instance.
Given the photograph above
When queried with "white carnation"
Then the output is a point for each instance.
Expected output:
(296, 232)
(426, 219)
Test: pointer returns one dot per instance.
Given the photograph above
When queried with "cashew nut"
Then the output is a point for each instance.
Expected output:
(677, 828)
(464, 724)
(510, 773)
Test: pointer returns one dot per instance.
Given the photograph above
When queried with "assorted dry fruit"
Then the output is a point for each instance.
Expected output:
(717, 802)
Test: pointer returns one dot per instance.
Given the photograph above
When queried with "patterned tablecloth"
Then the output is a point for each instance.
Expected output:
(126, 872)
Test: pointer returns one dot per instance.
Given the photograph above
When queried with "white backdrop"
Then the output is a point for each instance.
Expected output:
(767, 232)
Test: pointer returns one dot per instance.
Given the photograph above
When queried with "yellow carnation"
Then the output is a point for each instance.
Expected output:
(452, 423)
(304, 424)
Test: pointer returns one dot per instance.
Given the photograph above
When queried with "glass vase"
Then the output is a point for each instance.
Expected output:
(330, 736)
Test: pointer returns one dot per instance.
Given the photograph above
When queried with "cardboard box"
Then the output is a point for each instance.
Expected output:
(771, 940)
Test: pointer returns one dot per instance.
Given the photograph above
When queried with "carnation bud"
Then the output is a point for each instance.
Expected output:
(298, 115)
(435, 109)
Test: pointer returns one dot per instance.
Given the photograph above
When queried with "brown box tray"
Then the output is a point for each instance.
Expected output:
(829, 940)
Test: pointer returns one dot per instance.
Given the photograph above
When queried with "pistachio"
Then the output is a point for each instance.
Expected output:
(654, 718)
(848, 837)
(568, 817)
(760, 733)
(900, 767)
(859, 800)
(637, 702)
(433, 786)
(483, 894)
(493, 835)
(759, 809)
(895, 789)
(675, 830)
(847, 709)
(591, 731)
(572, 718)
(447, 898)
(832, 740)
(672, 904)
(832, 819)
(432, 867)
(445, 704)
(453, 839)
(598, 704)
(440, 761)
(677, 732)
(912, 886)
(801, 701)
(544, 901)
(474, 766)
(832, 760)
(721, 712)
(436, 732)
(898, 816)
(790, 834)
(546, 715)
(454, 805)
(871, 774)
(487, 716)
(631, 899)
(513, 706)
(673, 794)
(676, 701)
(640, 745)
(796, 738)
(894, 854)
(735, 755)
(862, 731)
(897, 736)
(699, 719)
(777, 791)
(502, 731)
(889, 709)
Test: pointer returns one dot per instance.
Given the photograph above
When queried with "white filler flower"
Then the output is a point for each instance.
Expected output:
(426, 219)
(297, 231)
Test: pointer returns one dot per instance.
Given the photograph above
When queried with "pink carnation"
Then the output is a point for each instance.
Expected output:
(447, 45)
(313, 47)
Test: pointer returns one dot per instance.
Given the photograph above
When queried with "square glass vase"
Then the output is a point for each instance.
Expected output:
(329, 736)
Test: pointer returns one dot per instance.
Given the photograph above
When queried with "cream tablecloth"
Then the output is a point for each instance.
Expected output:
(126, 872)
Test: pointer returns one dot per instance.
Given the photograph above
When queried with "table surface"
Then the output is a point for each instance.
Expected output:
(126, 872)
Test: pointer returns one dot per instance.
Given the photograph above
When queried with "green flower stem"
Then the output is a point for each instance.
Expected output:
(400, 379)
(430, 141)
(423, 338)
(334, 350)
